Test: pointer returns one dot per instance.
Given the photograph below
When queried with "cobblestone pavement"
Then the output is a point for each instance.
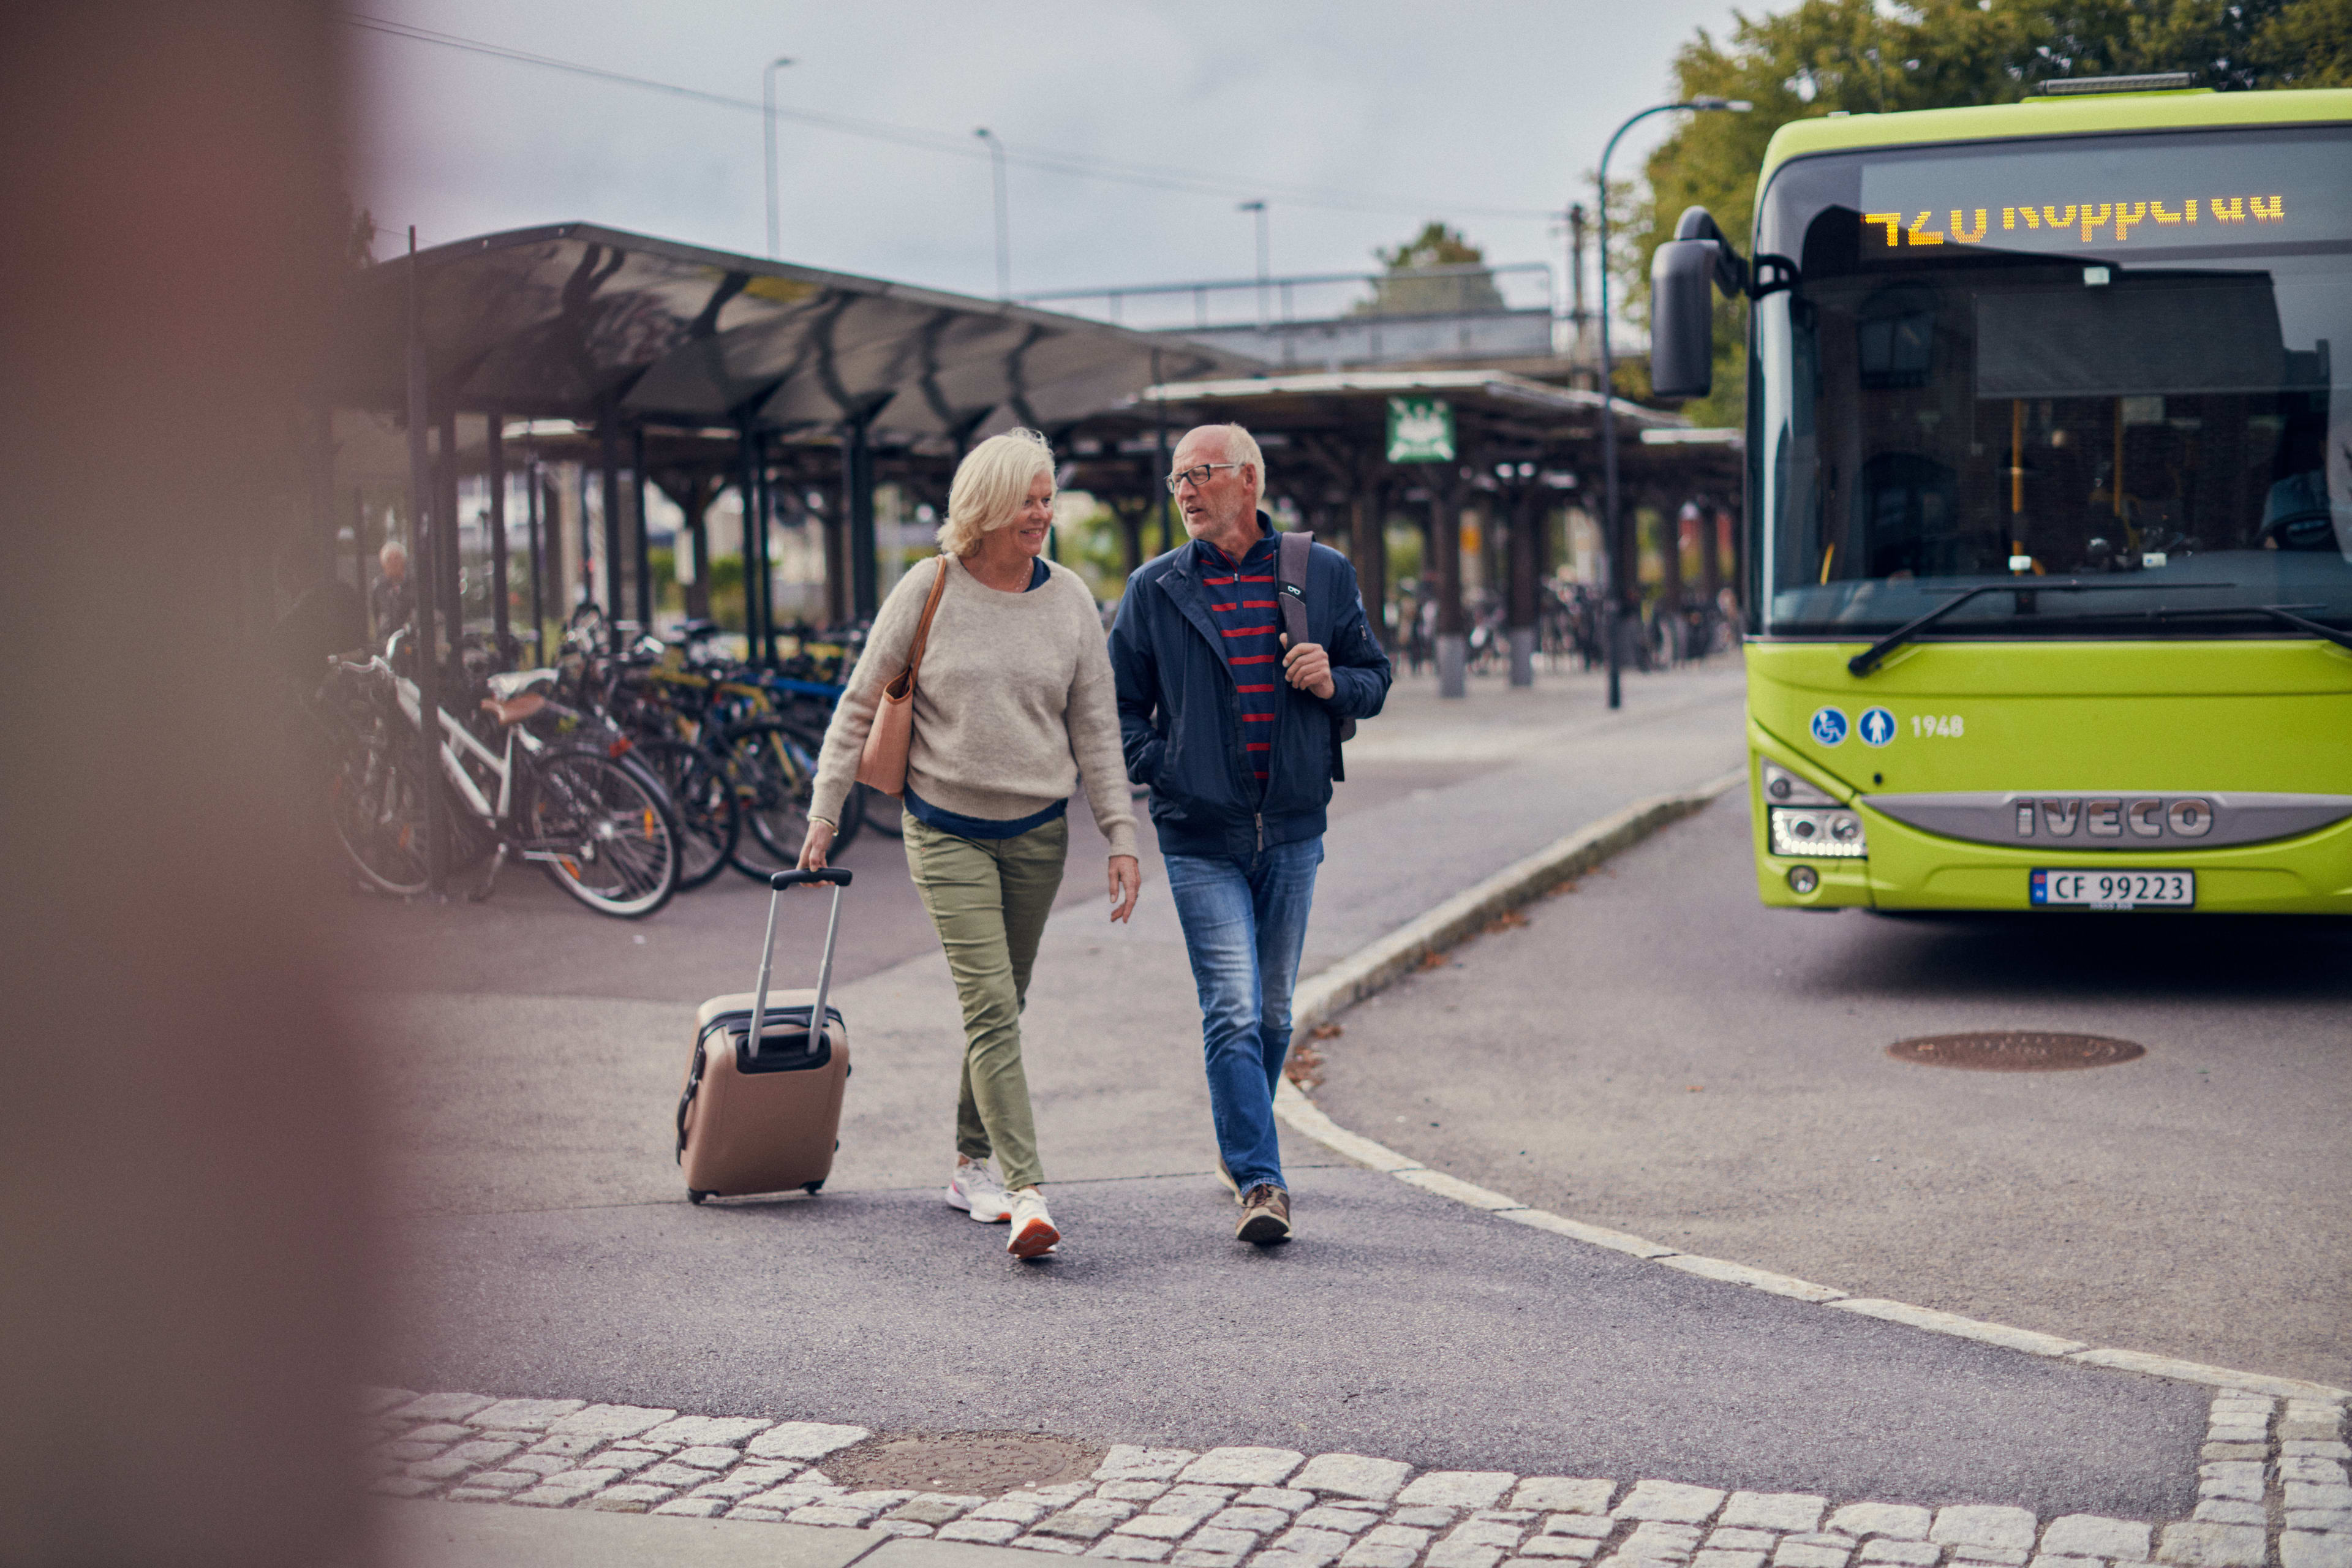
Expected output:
(2271, 1490)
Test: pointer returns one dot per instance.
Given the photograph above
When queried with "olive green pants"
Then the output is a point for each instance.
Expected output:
(989, 898)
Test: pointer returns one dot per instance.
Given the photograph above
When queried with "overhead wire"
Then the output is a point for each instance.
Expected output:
(1117, 171)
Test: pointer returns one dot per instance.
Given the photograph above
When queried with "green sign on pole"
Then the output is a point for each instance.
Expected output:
(1421, 430)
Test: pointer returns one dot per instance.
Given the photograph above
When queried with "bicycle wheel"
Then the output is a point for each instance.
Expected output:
(772, 765)
(885, 814)
(377, 800)
(706, 807)
(614, 841)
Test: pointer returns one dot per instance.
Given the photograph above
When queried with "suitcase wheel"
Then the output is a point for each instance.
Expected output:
(811, 1188)
(693, 1196)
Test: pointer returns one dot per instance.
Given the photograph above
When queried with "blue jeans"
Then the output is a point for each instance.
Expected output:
(1244, 921)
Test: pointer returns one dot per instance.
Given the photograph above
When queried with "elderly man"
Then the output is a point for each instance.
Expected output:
(393, 601)
(1235, 731)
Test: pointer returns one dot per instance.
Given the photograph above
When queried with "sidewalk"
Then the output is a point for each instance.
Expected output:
(548, 1252)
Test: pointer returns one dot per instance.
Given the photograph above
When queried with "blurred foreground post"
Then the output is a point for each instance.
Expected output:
(182, 1207)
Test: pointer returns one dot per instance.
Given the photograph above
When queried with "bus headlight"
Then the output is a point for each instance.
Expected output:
(1827, 833)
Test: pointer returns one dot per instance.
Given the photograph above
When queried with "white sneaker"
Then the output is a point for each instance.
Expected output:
(976, 1190)
(1034, 1235)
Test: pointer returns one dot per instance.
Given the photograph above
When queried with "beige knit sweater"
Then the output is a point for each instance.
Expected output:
(1013, 704)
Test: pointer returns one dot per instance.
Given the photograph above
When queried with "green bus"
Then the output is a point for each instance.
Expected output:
(2049, 585)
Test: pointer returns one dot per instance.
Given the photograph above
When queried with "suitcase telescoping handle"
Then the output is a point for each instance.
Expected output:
(779, 882)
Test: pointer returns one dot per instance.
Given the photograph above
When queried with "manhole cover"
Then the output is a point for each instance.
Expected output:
(981, 1463)
(2015, 1050)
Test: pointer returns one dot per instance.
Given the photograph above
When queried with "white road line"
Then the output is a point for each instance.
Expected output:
(1380, 964)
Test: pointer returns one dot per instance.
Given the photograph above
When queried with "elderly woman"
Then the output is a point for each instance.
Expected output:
(1013, 704)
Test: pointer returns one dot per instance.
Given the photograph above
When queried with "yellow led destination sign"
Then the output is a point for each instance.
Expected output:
(2117, 219)
(2116, 199)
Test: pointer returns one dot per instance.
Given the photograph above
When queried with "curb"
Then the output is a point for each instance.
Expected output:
(1380, 964)
(1377, 965)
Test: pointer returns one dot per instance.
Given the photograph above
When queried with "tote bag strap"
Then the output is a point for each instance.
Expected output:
(905, 684)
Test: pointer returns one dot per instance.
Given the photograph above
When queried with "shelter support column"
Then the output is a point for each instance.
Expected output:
(1672, 520)
(534, 522)
(699, 496)
(582, 537)
(832, 532)
(1446, 491)
(751, 488)
(423, 501)
(609, 441)
(642, 558)
(360, 554)
(771, 487)
(1526, 520)
(1710, 570)
(1131, 516)
(1161, 495)
(445, 555)
(1625, 583)
(1737, 520)
(1368, 525)
(857, 507)
(567, 521)
(495, 457)
(1710, 562)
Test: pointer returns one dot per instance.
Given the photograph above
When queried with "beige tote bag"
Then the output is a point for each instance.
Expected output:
(883, 764)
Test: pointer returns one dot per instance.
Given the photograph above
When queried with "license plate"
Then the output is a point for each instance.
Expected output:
(2115, 890)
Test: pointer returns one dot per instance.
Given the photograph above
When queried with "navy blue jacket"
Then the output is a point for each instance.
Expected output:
(1179, 719)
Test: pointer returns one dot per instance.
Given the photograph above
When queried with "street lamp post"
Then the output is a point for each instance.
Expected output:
(1611, 541)
(1003, 214)
(768, 119)
(1259, 208)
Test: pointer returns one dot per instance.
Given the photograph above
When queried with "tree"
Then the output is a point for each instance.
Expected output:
(1435, 245)
(1850, 55)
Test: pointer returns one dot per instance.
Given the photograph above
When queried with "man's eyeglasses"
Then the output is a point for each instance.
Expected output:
(1197, 475)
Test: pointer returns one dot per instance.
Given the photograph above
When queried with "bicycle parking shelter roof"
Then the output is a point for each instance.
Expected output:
(1339, 398)
(1498, 414)
(575, 321)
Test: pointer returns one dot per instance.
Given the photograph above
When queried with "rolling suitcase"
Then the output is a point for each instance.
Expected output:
(762, 1110)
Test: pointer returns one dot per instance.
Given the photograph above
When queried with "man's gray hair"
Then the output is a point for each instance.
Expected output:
(1241, 447)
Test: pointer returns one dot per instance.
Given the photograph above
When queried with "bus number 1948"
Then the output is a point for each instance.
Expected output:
(1946, 724)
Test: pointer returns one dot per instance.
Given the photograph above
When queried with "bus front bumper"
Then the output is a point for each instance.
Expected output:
(1906, 868)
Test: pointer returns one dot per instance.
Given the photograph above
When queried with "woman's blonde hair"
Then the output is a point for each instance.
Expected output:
(990, 483)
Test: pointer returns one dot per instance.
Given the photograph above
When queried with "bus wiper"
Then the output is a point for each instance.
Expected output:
(2282, 612)
(1868, 659)
(2316, 628)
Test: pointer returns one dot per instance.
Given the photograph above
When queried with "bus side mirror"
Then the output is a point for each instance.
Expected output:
(1682, 318)
(1682, 311)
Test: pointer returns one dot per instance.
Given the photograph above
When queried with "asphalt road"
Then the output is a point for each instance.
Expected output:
(1399, 1325)
(541, 1244)
(1656, 1052)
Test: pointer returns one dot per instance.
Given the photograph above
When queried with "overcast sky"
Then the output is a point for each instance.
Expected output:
(1356, 121)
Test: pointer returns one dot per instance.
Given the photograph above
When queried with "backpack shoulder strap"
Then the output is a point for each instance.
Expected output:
(1290, 554)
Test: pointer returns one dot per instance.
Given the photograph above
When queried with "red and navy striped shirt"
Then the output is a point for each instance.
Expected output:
(1249, 623)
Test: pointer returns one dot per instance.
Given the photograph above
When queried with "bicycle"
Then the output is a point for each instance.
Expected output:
(603, 832)
(761, 729)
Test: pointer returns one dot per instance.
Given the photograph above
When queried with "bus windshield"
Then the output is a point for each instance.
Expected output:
(2118, 367)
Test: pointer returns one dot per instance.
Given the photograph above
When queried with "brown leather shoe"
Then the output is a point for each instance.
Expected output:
(1265, 1216)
